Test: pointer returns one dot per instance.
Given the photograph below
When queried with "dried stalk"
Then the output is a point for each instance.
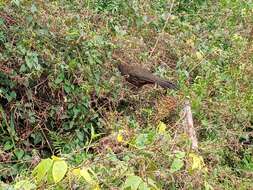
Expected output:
(188, 124)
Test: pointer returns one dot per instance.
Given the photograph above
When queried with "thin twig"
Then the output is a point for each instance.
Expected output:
(48, 143)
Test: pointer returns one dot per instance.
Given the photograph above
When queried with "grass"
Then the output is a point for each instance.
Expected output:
(61, 94)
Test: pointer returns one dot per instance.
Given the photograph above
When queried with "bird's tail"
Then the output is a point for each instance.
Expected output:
(167, 84)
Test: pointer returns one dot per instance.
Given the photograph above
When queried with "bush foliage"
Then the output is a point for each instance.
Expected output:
(68, 118)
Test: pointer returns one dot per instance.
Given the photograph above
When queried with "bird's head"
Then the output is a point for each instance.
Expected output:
(123, 68)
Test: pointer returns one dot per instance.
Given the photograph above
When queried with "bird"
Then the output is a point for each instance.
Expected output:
(139, 76)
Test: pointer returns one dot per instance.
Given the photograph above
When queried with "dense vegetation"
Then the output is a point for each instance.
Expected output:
(61, 94)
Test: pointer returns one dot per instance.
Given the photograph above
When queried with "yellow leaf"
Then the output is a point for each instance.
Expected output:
(86, 175)
(76, 171)
(173, 17)
(41, 171)
(190, 42)
(197, 162)
(237, 37)
(24, 184)
(244, 12)
(199, 55)
(60, 168)
(55, 158)
(161, 128)
(120, 138)
(96, 187)
(217, 50)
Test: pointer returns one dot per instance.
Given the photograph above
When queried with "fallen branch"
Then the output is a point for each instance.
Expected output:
(188, 124)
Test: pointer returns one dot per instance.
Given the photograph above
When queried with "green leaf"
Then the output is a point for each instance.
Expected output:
(11, 96)
(143, 186)
(176, 165)
(59, 79)
(207, 186)
(19, 153)
(1, 22)
(22, 68)
(33, 8)
(60, 168)
(141, 140)
(73, 64)
(31, 60)
(8, 145)
(37, 137)
(21, 49)
(24, 185)
(41, 170)
(2, 35)
(133, 182)
(80, 135)
(180, 154)
(152, 184)
(16, 2)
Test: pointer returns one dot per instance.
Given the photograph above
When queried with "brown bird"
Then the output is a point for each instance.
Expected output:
(139, 76)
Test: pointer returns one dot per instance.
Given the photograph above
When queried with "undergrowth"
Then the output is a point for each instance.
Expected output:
(61, 94)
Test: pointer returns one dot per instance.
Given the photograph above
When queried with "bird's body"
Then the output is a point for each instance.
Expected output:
(140, 76)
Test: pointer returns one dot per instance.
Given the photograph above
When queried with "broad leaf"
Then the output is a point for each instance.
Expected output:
(41, 170)
(86, 175)
(25, 185)
(60, 168)
(180, 154)
(197, 162)
(143, 186)
(31, 60)
(176, 165)
(161, 128)
(133, 182)
(19, 153)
